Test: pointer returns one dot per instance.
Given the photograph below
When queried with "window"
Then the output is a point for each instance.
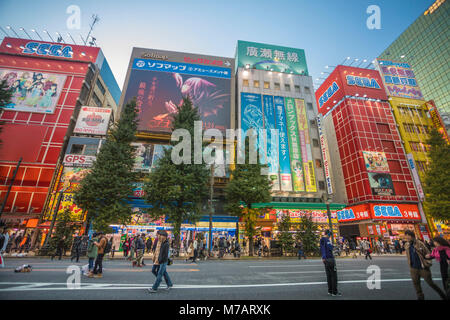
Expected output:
(322, 185)
(245, 83)
(297, 88)
(266, 85)
(383, 128)
(277, 85)
(307, 90)
(318, 163)
(312, 123)
(256, 84)
(77, 149)
(100, 86)
(388, 146)
(90, 149)
(97, 101)
(287, 87)
(315, 143)
(309, 105)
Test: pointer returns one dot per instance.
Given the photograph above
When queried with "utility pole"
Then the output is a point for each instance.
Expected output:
(10, 186)
(326, 198)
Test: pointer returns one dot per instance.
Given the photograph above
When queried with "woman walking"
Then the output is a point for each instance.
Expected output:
(441, 253)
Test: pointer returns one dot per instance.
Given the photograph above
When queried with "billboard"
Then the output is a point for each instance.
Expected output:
(415, 175)
(375, 161)
(438, 123)
(143, 156)
(381, 184)
(354, 213)
(325, 154)
(71, 178)
(269, 57)
(33, 91)
(160, 85)
(284, 158)
(399, 79)
(78, 160)
(272, 153)
(317, 216)
(93, 120)
(294, 145)
(395, 211)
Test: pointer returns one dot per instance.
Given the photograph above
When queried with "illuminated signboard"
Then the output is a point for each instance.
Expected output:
(328, 93)
(48, 49)
(395, 211)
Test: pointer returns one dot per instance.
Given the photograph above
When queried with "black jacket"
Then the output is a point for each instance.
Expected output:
(164, 252)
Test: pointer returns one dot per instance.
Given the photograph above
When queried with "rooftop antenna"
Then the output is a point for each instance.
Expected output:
(4, 31)
(71, 37)
(95, 19)
(60, 38)
(35, 31)
(48, 34)
(25, 31)
(10, 28)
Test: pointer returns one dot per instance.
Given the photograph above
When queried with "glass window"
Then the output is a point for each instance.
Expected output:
(309, 105)
(256, 84)
(312, 123)
(287, 87)
(90, 150)
(266, 85)
(322, 185)
(315, 142)
(277, 85)
(245, 83)
(77, 149)
(318, 163)
(307, 90)
(100, 86)
(297, 88)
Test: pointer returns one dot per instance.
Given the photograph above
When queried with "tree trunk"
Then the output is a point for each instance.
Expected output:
(250, 246)
(176, 233)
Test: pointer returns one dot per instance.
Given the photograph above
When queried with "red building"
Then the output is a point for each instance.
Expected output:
(50, 82)
(369, 168)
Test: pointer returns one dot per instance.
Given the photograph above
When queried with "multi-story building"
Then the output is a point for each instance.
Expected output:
(159, 80)
(369, 167)
(424, 44)
(275, 91)
(50, 82)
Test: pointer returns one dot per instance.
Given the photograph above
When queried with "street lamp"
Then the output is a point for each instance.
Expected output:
(326, 198)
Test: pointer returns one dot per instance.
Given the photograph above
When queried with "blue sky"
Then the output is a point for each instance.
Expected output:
(328, 30)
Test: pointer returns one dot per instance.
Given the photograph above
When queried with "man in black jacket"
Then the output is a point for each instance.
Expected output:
(161, 261)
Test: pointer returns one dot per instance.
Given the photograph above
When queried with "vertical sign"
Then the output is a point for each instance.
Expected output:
(310, 179)
(251, 116)
(294, 146)
(325, 154)
(272, 151)
(415, 175)
(285, 170)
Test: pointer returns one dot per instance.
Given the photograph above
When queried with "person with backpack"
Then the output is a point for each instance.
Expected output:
(160, 260)
(102, 248)
(92, 252)
(441, 253)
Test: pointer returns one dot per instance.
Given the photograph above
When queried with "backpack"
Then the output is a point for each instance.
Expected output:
(170, 258)
(107, 247)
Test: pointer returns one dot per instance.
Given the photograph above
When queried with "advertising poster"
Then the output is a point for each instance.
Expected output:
(71, 178)
(317, 216)
(67, 202)
(251, 112)
(325, 154)
(376, 161)
(381, 184)
(438, 123)
(33, 91)
(294, 146)
(158, 153)
(92, 120)
(285, 166)
(159, 87)
(305, 141)
(399, 79)
(143, 156)
(272, 151)
(415, 175)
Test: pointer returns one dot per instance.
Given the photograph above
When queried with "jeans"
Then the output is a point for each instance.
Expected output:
(76, 254)
(160, 271)
(99, 263)
(330, 269)
(416, 274)
(91, 263)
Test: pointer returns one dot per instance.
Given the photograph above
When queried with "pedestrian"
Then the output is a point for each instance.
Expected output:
(132, 248)
(160, 260)
(326, 250)
(195, 247)
(60, 248)
(441, 253)
(149, 244)
(76, 246)
(4, 239)
(101, 245)
(367, 250)
(190, 252)
(92, 252)
(301, 253)
(416, 252)
(221, 247)
(140, 248)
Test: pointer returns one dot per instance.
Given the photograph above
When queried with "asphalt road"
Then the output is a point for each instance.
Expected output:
(259, 279)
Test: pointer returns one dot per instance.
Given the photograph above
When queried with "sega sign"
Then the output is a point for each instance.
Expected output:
(400, 211)
(47, 49)
(345, 215)
(328, 93)
(362, 82)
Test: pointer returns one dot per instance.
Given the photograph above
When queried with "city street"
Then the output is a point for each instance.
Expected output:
(256, 279)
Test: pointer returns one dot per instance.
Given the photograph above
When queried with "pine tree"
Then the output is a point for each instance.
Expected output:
(178, 190)
(285, 237)
(103, 193)
(307, 235)
(437, 182)
(247, 187)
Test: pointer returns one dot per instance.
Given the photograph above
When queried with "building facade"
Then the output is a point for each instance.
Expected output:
(50, 82)
(424, 44)
(369, 167)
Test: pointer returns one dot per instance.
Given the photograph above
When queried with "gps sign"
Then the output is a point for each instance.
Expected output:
(78, 160)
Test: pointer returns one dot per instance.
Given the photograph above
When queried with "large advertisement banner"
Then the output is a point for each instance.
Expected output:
(310, 178)
(285, 167)
(399, 79)
(159, 87)
(272, 152)
(251, 116)
(143, 156)
(437, 120)
(317, 216)
(92, 120)
(33, 91)
(294, 146)
(395, 211)
(325, 154)
(381, 184)
(415, 175)
(375, 161)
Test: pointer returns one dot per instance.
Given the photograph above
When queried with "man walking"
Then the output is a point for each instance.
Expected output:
(195, 246)
(416, 252)
(326, 249)
(4, 239)
(76, 249)
(367, 250)
(101, 245)
(160, 260)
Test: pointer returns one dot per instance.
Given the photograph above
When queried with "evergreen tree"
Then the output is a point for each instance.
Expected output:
(285, 237)
(307, 235)
(178, 190)
(104, 191)
(437, 182)
(248, 186)
(64, 229)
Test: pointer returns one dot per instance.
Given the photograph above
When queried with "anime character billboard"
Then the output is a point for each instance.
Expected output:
(160, 87)
(33, 91)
